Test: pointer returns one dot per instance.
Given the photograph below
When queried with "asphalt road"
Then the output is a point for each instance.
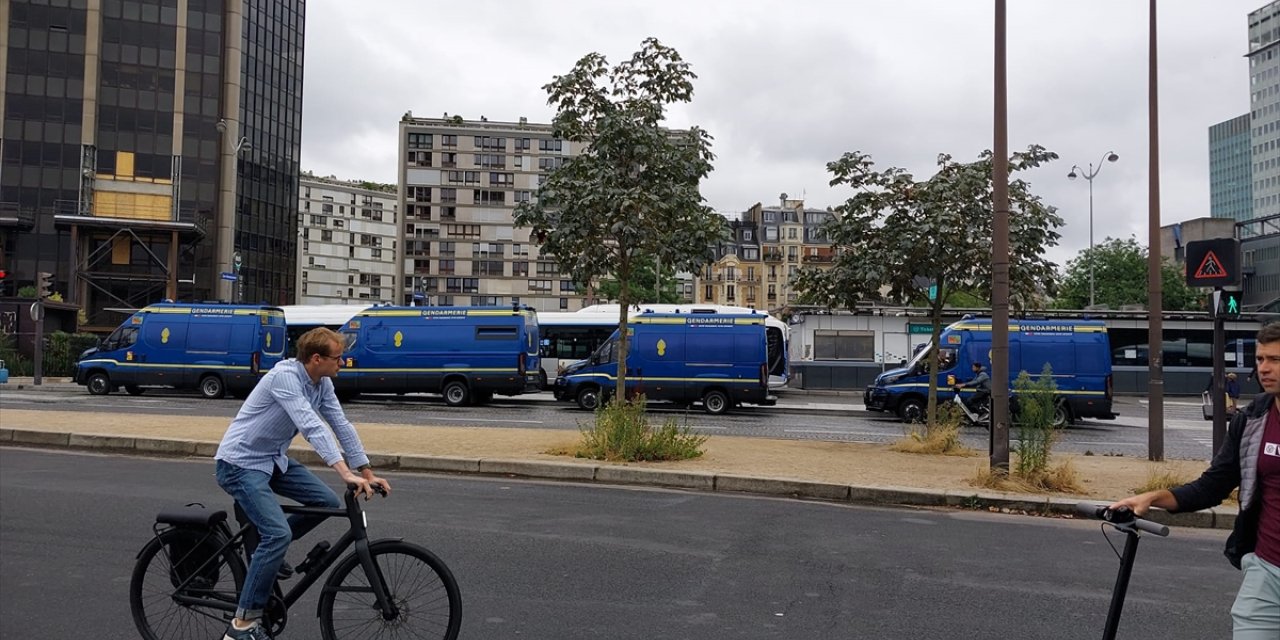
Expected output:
(1187, 436)
(543, 560)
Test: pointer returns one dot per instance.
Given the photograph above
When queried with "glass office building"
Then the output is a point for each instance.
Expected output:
(145, 143)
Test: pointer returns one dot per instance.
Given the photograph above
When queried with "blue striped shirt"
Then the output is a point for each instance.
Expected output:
(284, 403)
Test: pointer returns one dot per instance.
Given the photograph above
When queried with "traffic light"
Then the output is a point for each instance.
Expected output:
(1225, 304)
(1231, 301)
(44, 283)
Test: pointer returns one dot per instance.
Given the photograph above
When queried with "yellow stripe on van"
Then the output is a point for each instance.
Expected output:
(354, 370)
(1018, 327)
(149, 365)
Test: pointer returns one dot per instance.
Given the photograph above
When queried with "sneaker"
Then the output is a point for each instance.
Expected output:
(254, 632)
(285, 571)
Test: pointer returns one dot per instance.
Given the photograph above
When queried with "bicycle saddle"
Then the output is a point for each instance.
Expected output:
(191, 517)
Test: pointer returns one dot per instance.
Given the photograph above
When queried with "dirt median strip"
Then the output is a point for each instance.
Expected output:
(864, 473)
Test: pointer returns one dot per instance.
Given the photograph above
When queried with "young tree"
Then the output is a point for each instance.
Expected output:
(900, 236)
(632, 193)
(1120, 278)
(646, 286)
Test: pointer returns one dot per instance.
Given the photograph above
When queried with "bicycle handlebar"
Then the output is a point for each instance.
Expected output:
(377, 488)
(1122, 518)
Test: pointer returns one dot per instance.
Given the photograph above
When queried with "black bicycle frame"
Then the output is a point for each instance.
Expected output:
(357, 534)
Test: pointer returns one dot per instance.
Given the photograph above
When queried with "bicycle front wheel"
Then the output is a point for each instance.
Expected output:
(421, 586)
(179, 591)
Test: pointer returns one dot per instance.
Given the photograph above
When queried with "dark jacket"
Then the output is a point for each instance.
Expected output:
(1234, 465)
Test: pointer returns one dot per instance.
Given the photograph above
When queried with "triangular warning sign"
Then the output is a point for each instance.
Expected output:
(1211, 267)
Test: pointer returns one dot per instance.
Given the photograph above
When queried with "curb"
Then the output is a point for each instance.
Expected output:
(585, 472)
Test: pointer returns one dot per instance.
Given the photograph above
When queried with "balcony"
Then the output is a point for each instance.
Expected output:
(820, 258)
(773, 256)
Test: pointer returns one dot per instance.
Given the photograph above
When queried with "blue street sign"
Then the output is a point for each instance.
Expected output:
(229, 276)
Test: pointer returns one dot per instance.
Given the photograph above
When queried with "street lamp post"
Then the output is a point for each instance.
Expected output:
(1077, 172)
(227, 245)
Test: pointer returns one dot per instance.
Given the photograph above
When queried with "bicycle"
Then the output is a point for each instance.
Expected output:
(1124, 521)
(187, 580)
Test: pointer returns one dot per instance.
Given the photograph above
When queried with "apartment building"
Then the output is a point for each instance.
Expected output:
(766, 249)
(348, 235)
(460, 183)
(147, 143)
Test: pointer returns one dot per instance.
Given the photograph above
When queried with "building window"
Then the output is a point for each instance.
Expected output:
(548, 269)
(523, 196)
(447, 248)
(446, 267)
(549, 145)
(564, 304)
(448, 141)
(420, 194)
(491, 161)
(770, 234)
(550, 164)
(487, 267)
(566, 286)
(520, 144)
(746, 235)
(541, 286)
(486, 142)
(520, 269)
(462, 230)
(843, 345)
(418, 158)
(326, 235)
(448, 213)
(419, 141)
(502, 179)
(490, 197)
(449, 195)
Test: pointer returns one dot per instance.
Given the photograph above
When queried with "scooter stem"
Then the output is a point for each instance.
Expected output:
(1122, 585)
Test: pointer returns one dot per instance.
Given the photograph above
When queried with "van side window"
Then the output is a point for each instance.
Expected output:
(495, 333)
(121, 338)
(349, 338)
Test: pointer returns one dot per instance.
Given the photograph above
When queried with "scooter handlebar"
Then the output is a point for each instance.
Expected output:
(1121, 518)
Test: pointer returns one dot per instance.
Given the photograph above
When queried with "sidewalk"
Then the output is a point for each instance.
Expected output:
(849, 472)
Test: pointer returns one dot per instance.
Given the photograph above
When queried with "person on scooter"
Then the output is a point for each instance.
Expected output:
(981, 385)
(1249, 459)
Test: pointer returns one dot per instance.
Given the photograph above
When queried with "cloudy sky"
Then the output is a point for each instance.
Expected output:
(787, 87)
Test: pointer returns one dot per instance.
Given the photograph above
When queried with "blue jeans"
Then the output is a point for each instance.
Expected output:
(255, 492)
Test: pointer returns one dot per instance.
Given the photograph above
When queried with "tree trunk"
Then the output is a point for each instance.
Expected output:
(624, 342)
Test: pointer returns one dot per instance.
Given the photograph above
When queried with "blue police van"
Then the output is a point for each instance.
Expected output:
(1078, 351)
(466, 354)
(213, 347)
(720, 360)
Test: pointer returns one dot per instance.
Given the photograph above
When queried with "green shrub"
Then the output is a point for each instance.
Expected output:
(1036, 433)
(621, 433)
(61, 352)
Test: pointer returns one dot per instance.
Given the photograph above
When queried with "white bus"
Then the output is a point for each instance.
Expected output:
(301, 318)
(571, 336)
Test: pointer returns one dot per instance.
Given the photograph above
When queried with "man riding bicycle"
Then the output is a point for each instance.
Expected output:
(253, 467)
(981, 384)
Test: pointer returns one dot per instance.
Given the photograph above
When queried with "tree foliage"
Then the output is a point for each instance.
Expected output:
(896, 236)
(645, 285)
(1120, 278)
(633, 191)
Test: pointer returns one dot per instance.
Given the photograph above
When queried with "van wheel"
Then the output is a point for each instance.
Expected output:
(715, 402)
(589, 398)
(133, 389)
(1061, 415)
(456, 393)
(542, 381)
(911, 410)
(211, 387)
(99, 384)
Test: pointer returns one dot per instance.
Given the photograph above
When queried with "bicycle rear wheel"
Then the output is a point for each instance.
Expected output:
(175, 594)
(420, 585)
